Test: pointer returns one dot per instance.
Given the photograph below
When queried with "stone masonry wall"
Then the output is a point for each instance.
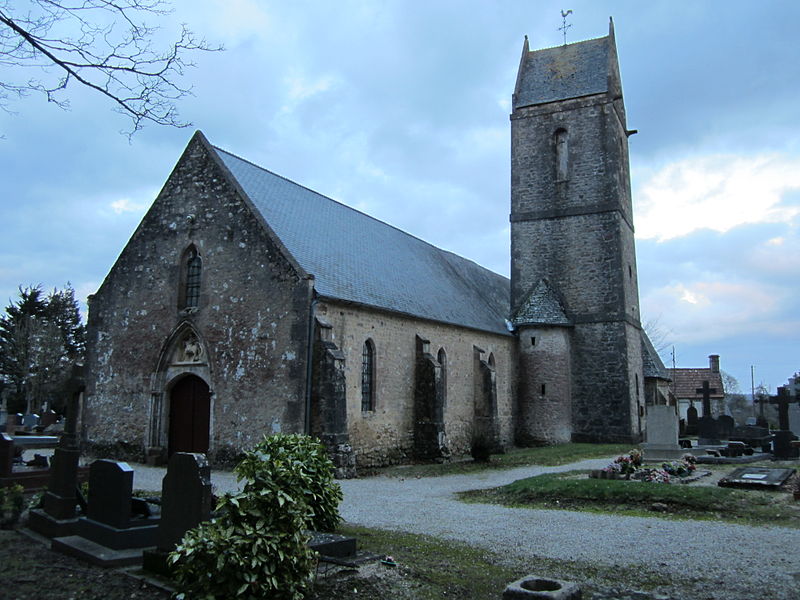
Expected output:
(386, 435)
(545, 390)
(576, 230)
(252, 318)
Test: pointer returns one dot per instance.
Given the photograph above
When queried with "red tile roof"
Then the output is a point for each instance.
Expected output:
(686, 382)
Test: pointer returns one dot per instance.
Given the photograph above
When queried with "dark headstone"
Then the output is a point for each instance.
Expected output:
(691, 420)
(185, 498)
(185, 503)
(782, 445)
(110, 490)
(725, 425)
(707, 431)
(6, 455)
(108, 535)
(48, 418)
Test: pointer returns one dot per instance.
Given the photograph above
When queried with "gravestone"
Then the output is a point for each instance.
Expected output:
(753, 436)
(707, 430)
(782, 443)
(185, 503)
(110, 491)
(30, 421)
(109, 535)
(756, 477)
(58, 517)
(691, 420)
(725, 425)
(185, 498)
(48, 418)
(661, 434)
(6, 455)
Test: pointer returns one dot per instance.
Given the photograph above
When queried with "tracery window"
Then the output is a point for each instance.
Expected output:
(193, 268)
(442, 358)
(368, 377)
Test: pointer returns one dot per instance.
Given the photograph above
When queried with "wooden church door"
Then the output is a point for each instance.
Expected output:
(189, 416)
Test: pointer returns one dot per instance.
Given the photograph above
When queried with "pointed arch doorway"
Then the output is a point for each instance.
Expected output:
(189, 415)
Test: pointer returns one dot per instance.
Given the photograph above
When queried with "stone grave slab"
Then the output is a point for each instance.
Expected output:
(332, 544)
(756, 478)
(662, 434)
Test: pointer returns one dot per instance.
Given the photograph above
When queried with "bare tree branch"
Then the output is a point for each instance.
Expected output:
(102, 45)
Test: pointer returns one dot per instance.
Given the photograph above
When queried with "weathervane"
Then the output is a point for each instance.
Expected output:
(564, 26)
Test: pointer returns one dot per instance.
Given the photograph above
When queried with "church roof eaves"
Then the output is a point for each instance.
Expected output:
(356, 258)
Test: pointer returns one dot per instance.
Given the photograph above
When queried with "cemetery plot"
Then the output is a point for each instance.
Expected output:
(756, 477)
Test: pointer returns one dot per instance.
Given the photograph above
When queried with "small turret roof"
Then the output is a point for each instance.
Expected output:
(541, 307)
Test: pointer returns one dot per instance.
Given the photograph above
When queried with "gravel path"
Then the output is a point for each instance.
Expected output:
(731, 561)
(709, 560)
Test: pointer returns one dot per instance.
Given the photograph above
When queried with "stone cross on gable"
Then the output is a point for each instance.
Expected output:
(706, 391)
(782, 400)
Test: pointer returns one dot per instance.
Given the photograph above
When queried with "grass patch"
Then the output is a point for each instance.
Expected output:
(559, 454)
(430, 569)
(574, 490)
(433, 568)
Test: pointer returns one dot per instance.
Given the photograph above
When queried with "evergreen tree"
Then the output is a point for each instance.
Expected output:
(41, 337)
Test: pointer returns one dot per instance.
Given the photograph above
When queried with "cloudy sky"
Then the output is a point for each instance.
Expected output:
(400, 109)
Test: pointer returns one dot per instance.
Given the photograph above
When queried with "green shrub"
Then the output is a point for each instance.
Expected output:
(298, 465)
(12, 503)
(257, 547)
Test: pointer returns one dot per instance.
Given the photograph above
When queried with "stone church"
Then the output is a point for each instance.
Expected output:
(246, 304)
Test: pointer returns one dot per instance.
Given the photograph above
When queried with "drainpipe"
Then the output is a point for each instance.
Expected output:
(310, 356)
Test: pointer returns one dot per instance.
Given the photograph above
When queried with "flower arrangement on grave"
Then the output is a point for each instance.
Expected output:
(681, 468)
(626, 465)
(653, 475)
(630, 466)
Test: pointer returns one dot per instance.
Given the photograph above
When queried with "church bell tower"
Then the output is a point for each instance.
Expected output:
(574, 291)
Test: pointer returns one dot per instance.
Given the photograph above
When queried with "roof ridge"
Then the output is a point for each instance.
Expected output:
(342, 204)
(594, 39)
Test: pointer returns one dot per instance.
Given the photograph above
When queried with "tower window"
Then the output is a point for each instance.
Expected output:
(533, 341)
(368, 377)
(562, 155)
(544, 389)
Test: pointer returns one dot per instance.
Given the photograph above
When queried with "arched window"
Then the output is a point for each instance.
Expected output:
(368, 377)
(193, 266)
(491, 360)
(442, 358)
(562, 155)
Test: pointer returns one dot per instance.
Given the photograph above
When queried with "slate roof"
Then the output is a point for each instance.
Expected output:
(356, 258)
(570, 71)
(541, 307)
(686, 382)
(653, 365)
